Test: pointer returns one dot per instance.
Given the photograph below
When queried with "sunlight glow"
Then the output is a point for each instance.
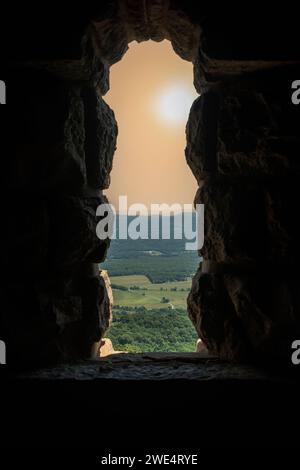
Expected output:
(173, 103)
(151, 92)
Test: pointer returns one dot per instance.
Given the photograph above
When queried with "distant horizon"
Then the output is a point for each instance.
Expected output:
(156, 213)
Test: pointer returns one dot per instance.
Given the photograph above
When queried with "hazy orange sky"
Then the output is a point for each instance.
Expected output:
(151, 92)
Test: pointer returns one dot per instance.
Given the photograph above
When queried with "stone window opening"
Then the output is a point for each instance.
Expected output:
(151, 143)
(242, 139)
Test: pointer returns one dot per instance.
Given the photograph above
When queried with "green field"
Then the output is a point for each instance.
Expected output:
(136, 329)
(151, 317)
(141, 292)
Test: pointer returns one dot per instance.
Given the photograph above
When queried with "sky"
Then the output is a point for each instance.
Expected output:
(151, 92)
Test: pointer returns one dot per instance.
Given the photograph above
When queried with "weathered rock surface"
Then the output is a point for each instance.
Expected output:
(74, 224)
(107, 303)
(67, 319)
(201, 348)
(240, 317)
(49, 121)
(101, 137)
(130, 20)
(237, 128)
(201, 133)
(235, 221)
(153, 367)
(241, 146)
(106, 348)
(214, 318)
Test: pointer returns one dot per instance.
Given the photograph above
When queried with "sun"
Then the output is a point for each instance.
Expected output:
(172, 103)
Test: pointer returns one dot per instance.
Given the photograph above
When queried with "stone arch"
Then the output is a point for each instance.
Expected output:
(242, 140)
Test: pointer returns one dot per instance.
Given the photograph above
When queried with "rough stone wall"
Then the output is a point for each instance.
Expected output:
(243, 146)
(60, 136)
